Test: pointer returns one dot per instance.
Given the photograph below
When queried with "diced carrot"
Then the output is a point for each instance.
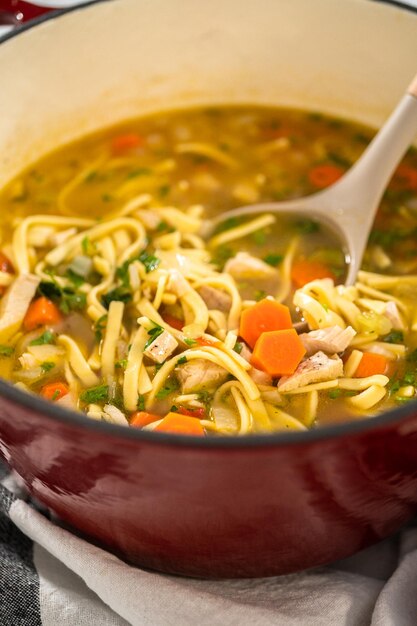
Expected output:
(278, 352)
(304, 271)
(124, 143)
(40, 312)
(202, 341)
(54, 391)
(142, 418)
(324, 175)
(263, 316)
(405, 177)
(181, 424)
(198, 411)
(173, 321)
(371, 364)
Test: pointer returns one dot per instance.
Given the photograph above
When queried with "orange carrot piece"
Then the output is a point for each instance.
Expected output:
(124, 143)
(278, 352)
(324, 175)
(405, 177)
(304, 271)
(181, 424)
(142, 418)
(371, 364)
(40, 312)
(202, 341)
(263, 316)
(54, 391)
(173, 321)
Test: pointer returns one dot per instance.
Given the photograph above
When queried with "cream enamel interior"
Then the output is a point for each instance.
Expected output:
(113, 60)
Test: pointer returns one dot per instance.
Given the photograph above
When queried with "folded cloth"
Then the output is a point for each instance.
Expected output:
(49, 576)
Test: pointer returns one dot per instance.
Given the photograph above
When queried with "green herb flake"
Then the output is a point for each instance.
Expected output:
(190, 342)
(88, 247)
(67, 299)
(153, 334)
(273, 259)
(228, 224)
(238, 347)
(119, 294)
(170, 386)
(260, 294)
(47, 366)
(99, 327)
(259, 237)
(6, 351)
(412, 357)
(46, 337)
(121, 364)
(174, 409)
(395, 336)
(182, 360)
(164, 227)
(334, 393)
(74, 278)
(55, 395)
(150, 261)
(164, 191)
(307, 227)
(95, 394)
(140, 403)
(221, 255)
(139, 171)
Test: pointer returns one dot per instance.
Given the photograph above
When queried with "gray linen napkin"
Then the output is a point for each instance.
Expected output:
(49, 576)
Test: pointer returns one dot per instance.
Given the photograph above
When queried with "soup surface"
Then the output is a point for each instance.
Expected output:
(114, 303)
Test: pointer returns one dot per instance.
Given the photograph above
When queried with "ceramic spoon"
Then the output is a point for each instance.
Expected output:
(349, 206)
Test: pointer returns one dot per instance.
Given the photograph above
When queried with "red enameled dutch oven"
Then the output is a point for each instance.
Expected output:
(218, 507)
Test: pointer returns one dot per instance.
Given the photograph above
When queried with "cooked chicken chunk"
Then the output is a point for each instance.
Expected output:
(259, 377)
(332, 339)
(393, 314)
(244, 266)
(15, 303)
(315, 369)
(200, 374)
(215, 298)
(162, 347)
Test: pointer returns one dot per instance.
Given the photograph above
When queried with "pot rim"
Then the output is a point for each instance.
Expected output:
(73, 418)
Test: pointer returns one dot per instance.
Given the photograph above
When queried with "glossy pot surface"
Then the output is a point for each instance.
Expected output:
(218, 507)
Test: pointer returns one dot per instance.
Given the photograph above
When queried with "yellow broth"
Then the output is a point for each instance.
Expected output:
(202, 162)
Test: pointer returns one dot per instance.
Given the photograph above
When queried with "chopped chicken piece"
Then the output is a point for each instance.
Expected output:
(393, 314)
(67, 402)
(244, 266)
(161, 347)
(215, 298)
(177, 284)
(15, 303)
(332, 339)
(200, 374)
(315, 369)
(27, 361)
(114, 415)
(259, 377)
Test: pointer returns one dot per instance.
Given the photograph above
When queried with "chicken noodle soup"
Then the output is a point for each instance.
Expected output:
(114, 304)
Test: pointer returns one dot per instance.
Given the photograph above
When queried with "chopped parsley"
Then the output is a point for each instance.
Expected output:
(169, 387)
(119, 294)
(139, 171)
(150, 261)
(260, 294)
(307, 227)
(122, 273)
(74, 278)
(66, 298)
(190, 342)
(88, 247)
(273, 259)
(47, 366)
(182, 360)
(140, 403)
(164, 190)
(95, 394)
(221, 255)
(99, 327)
(395, 336)
(55, 395)
(259, 237)
(121, 364)
(153, 334)
(238, 347)
(412, 356)
(47, 337)
(163, 227)
(228, 224)
(6, 350)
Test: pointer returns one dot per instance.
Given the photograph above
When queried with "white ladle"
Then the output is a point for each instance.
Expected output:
(349, 206)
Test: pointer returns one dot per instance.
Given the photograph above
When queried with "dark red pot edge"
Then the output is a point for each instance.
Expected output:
(275, 439)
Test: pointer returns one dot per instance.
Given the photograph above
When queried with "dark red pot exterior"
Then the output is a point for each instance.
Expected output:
(217, 510)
